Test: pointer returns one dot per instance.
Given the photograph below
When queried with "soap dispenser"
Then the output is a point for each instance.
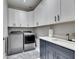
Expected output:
(50, 32)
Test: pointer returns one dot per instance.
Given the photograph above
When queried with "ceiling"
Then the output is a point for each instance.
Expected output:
(27, 5)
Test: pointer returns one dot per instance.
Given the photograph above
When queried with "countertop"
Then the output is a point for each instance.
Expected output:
(60, 42)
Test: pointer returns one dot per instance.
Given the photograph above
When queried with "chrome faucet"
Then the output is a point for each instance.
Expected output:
(68, 37)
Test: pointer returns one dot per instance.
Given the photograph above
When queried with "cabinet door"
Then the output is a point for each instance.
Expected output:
(23, 19)
(42, 49)
(67, 10)
(61, 55)
(50, 53)
(50, 9)
(54, 51)
(46, 11)
(11, 17)
(36, 15)
(17, 18)
(30, 19)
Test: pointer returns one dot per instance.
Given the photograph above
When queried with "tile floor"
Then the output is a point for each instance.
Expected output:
(33, 54)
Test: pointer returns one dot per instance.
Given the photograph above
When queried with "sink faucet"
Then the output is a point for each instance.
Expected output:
(68, 37)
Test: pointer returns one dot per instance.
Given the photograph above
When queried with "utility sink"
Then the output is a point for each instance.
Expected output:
(54, 39)
(60, 42)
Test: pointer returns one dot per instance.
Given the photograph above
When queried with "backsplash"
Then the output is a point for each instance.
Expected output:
(42, 31)
(60, 30)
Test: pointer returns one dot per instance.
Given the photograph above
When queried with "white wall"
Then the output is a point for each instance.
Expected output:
(5, 28)
(5, 19)
(60, 30)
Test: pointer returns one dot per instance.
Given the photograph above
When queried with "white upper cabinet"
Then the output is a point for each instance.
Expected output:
(67, 10)
(11, 17)
(18, 18)
(21, 18)
(46, 12)
(54, 11)
(30, 18)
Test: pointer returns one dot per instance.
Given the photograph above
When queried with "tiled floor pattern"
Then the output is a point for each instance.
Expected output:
(25, 55)
(33, 54)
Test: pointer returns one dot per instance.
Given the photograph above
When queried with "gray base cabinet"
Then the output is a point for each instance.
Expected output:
(52, 51)
(43, 52)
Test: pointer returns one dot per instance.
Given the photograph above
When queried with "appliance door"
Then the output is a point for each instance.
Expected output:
(15, 43)
(29, 39)
(28, 47)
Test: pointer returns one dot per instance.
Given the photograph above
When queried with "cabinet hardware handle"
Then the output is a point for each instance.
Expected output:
(14, 24)
(55, 18)
(37, 23)
(20, 24)
(58, 17)
(27, 24)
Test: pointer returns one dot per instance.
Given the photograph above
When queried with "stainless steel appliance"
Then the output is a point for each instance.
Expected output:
(15, 43)
(29, 41)
(20, 41)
